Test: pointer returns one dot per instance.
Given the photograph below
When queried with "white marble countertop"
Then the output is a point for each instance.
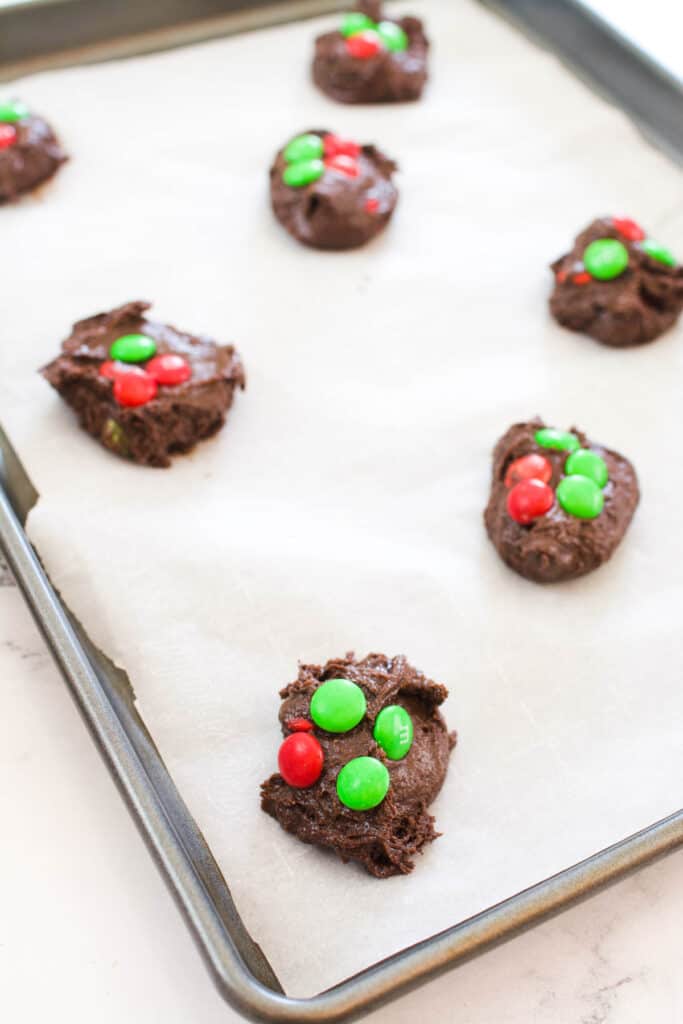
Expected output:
(88, 931)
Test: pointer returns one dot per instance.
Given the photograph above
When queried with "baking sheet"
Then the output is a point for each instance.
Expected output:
(341, 507)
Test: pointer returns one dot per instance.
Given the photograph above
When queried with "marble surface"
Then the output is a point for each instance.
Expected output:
(88, 931)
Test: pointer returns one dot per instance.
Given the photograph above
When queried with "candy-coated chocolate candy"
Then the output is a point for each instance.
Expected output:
(8, 136)
(528, 500)
(365, 44)
(560, 440)
(629, 229)
(169, 368)
(583, 277)
(12, 112)
(111, 369)
(362, 783)
(355, 22)
(528, 467)
(336, 146)
(561, 276)
(393, 36)
(580, 497)
(304, 147)
(605, 258)
(658, 252)
(136, 388)
(300, 760)
(584, 462)
(372, 204)
(303, 173)
(132, 348)
(299, 725)
(394, 731)
(343, 165)
(338, 705)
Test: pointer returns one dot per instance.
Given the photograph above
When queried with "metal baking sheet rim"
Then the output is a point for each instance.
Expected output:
(106, 702)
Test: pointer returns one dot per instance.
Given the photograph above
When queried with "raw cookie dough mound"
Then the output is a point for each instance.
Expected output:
(29, 151)
(145, 390)
(366, 751)
(372, 59)
(617, 284)
(559, 503)
(332, 193)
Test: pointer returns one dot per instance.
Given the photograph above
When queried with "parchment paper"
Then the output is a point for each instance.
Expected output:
(341, 507)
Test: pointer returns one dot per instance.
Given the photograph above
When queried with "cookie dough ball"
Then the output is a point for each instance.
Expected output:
(145, 390)
(29, 150)
(332, 193)
(365, 753)
(559, 503)
(617, 284)
(372, 59)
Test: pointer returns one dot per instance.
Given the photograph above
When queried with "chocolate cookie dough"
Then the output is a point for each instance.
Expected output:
(559, 503)
(29, 151)
(366, 751)
(332, 193)
(617, 284)
(372, 59)
(145, 390)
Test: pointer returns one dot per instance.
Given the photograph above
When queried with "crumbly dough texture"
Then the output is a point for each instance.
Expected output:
(32, 159)
(331, 213)
(385, 839)
(636, 307)
(558, 546)
(171, 423)
(388, 77)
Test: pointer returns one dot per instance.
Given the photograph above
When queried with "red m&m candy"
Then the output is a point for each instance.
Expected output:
(300, 760)
(629, 229)
(299, 724)
(113, 367)
(8, 136)
(528, 467)
(528, 500)
(169, 368)
(343, 165)
(372, 204)
(134, 388)
(364, 44)
(583, 277)
(333, 145)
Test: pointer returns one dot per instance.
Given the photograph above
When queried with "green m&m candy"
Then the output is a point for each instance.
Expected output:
(580, 497)
(393, 36)
(12, 111)
(394, 731)
(655, 250)
(303, 173)
(354, 22)
(338, 705)
(605, 258)
(587, 463)
(132, 348)
(304, 147)
(362, 783)
(560, 440)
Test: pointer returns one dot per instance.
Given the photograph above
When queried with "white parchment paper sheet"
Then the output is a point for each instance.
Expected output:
(341, 507)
